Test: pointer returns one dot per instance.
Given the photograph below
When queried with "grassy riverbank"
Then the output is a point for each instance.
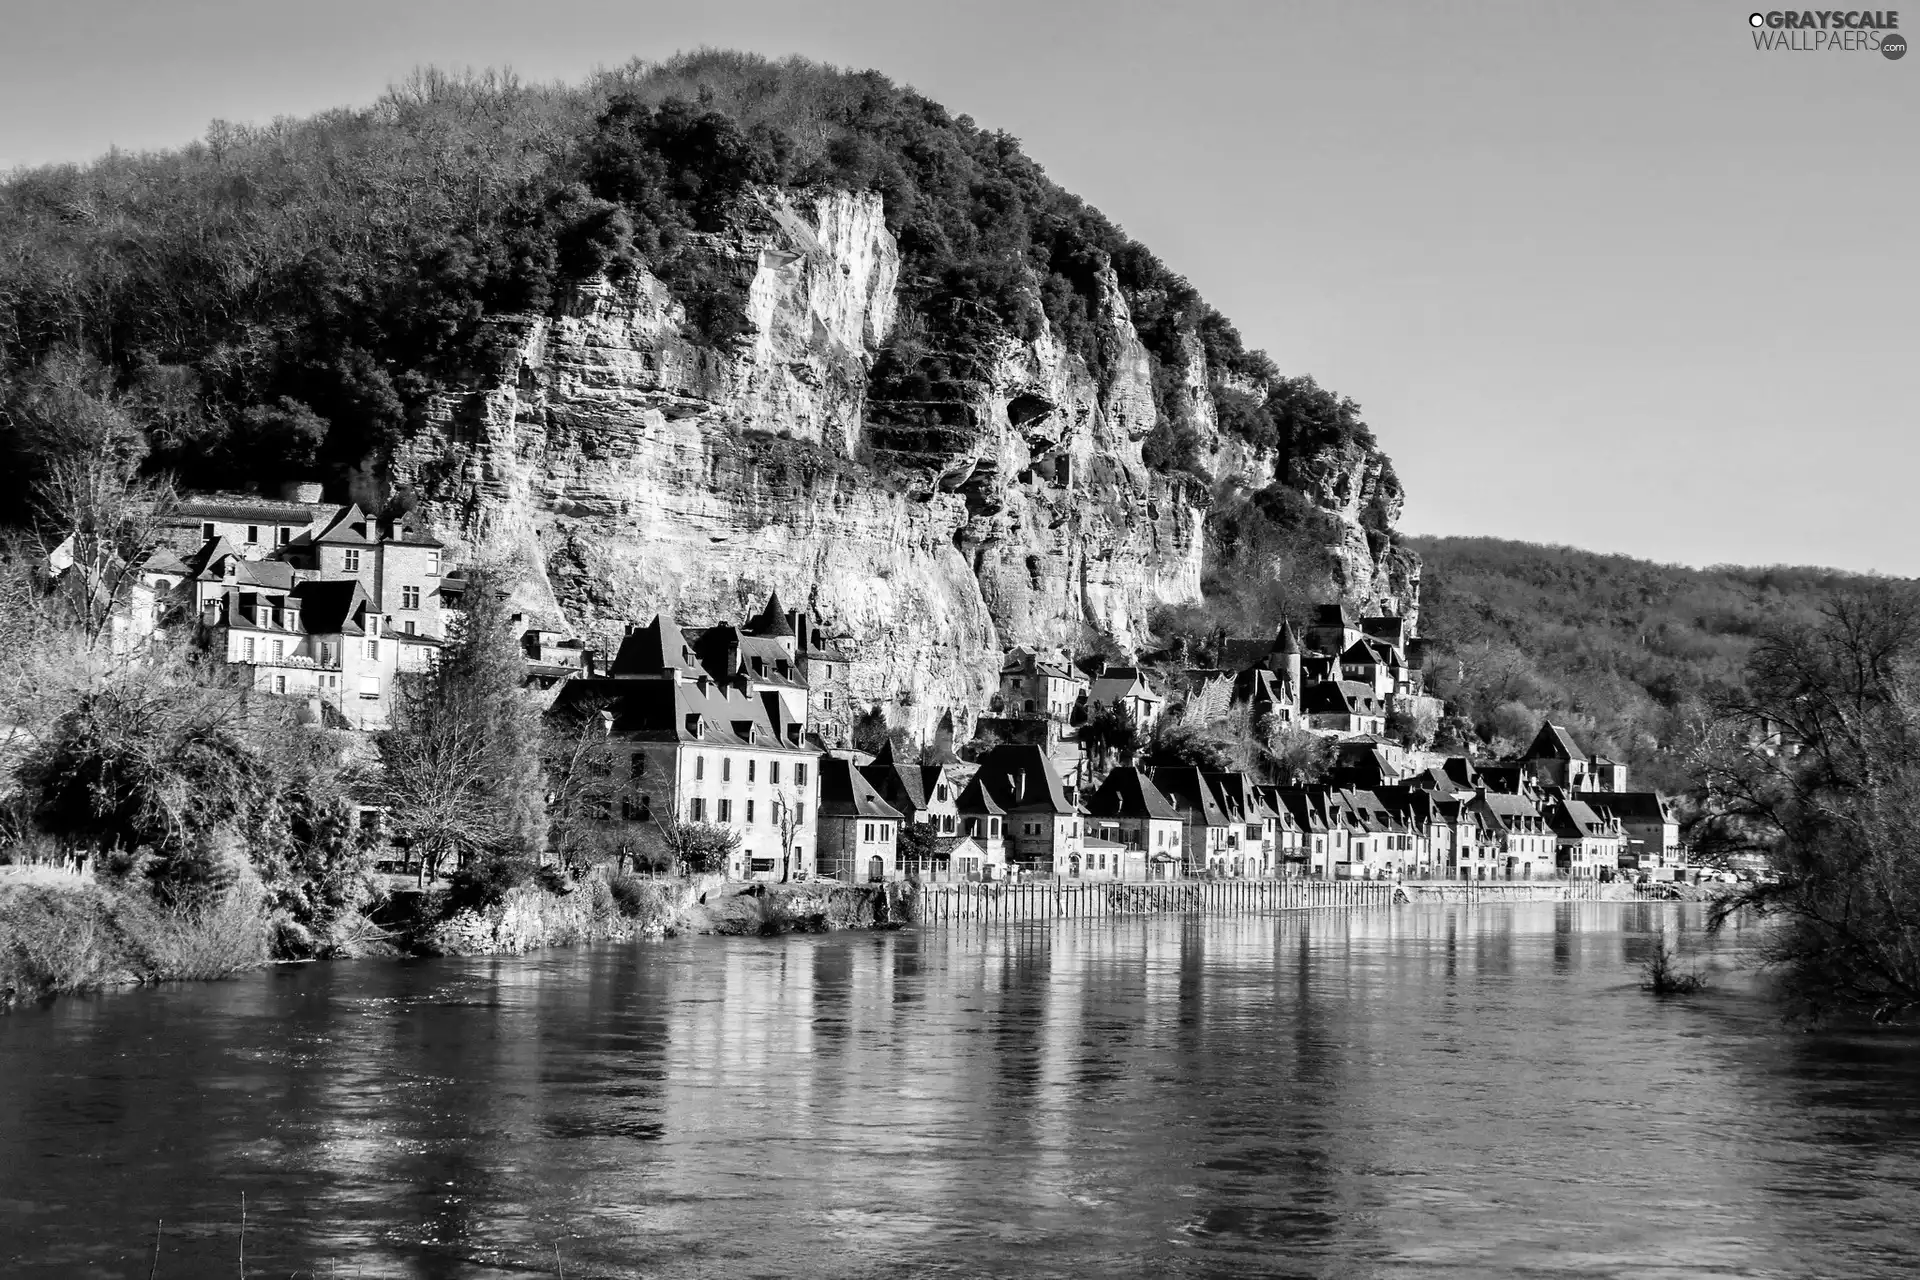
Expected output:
(66, 934)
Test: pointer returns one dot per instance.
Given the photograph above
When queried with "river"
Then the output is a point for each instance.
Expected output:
(1427, 1091)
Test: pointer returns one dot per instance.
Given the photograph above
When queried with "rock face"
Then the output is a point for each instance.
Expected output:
(631, 470)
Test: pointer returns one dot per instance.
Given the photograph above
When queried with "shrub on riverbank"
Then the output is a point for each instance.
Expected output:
(56, 939)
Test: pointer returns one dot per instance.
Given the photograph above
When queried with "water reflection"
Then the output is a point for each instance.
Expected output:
(1388, 1093)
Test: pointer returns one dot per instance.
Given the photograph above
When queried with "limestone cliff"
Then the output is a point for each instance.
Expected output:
(632, 470)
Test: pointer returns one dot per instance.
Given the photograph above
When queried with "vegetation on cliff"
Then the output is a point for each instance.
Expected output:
(282, 300)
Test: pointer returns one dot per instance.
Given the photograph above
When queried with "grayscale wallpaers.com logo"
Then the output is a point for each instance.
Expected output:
(1829, 31)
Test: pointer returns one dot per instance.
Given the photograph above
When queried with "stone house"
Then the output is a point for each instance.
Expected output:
(1585, 842)
(1044, 821)
(1033, 685)
(702, 750)
(1344, 707)
(859, 832)
(926, 798)
(982, 824)
(1127, 688)
(1649, 830)
(1522, 842)
(1134, 813)
(1250, 836)
(1208, 829)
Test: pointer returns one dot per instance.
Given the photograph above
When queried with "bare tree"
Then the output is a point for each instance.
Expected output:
(1819, 769)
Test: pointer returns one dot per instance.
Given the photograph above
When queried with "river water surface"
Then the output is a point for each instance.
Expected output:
(1443, 1091)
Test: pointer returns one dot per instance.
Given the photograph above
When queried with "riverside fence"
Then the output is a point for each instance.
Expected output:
(1053, 900)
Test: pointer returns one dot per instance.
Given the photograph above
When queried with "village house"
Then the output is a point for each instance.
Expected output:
(703, 751)
(1140, 818)
(1208, 828)
(1251, 824)
(1127, 688)
(1033, 685)
(1523, 843)
(926, 798)
(1650, 833)
(859, 832)
(1344, 707)
(1585, 843)
(1044, 821)
(983, 826)
(1555, 760)
(1308, 809)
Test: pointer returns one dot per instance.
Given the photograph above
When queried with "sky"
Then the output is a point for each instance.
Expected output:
(1602, 274)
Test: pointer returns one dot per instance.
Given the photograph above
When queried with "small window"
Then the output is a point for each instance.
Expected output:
(639, 764)
(208, 532)
(726, 810)
(253, 533)
(373, 650)
(411, 627)
(279, 684)
(749, 813)
(699, 768)
(369, 686)
(773, 772)
(750, 769)
(279, 650)
(352, 564)
(800, 775)
(697, 810)
(433, 563)
(799, 815)
(326, 655)
(246, 648)
(409, 597)
(726, 768)
(993, 826)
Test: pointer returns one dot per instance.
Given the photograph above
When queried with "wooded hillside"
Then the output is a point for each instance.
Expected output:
(1627, 652)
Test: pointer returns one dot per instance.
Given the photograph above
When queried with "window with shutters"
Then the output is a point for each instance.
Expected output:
(726, 768)
(799, 775)
(726, 811)
(246, 649)
(749, 812)
(699, 768)
(697, 810)
(773, 772)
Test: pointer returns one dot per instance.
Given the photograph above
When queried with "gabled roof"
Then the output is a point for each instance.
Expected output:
(1507, 808)
(1554, 743)
(1129, 793)
(1121, 682)
(975, 798)
(686, 711)
(653, 650)
(908, 787)
(331, 608)
(1629, 806)
(1022, 779)
(844, 793)
(1340, 697)
(1571, 819)
(350, 526)
(1187, 788)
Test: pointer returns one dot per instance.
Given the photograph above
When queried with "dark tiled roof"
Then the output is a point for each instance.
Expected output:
(328, 608)
(1554, 742)
(1129, 793)
(1007, 766)
(844, 793)
(1186, 787)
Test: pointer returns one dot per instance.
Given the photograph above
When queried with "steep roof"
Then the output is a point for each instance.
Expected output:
(1554, 743)
(975, 798)
(1121, 682)
(330, 608)
(1187, 788)
(844, 793)
(1021, 778)
(1128, 792)
(688, 711)
(772, 621)
(905, 786)
(1340, 697)
(1284, 640)
(1572, 818)
(653, 649)
(350, 526)
(1629, 806)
